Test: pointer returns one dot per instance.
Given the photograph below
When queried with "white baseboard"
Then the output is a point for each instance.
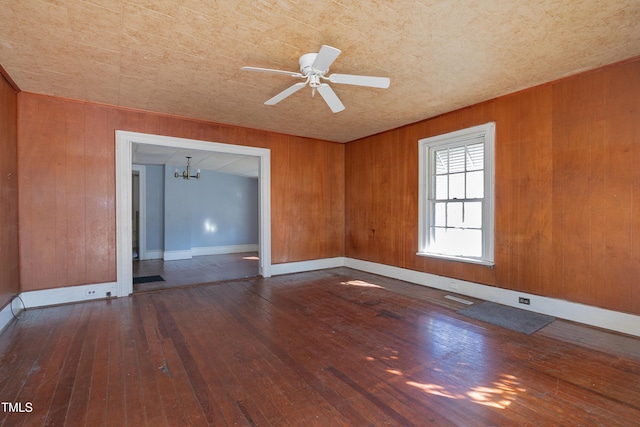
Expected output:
(200, 251)
(69, 294)
(220, 250)
(589, 315)
(300, 266)
(176, 255)
(154, 254)
(586, 314)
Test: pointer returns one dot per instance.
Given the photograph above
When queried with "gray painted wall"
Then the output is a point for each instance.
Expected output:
(155, 207)
(178, 210)
(216, 210)
(224, 210)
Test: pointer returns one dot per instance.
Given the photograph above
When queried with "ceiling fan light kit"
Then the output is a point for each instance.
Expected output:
(313, 68)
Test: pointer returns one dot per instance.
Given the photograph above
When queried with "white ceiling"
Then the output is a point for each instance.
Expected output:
(232, 164)
(184, 57)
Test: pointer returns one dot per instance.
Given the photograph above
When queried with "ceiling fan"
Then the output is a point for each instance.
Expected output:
(313, 69)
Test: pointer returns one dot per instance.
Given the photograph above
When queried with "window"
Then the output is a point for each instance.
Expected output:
(456, 195)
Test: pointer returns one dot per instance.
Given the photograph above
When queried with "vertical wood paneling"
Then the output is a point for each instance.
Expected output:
(523, 188)
(567, 190)
(595, 169)
(310, 184)
(9, 260)
(67, 194)
(101, 236)
(408, 212)
(72, 208)
(37, 176)
(382, 195)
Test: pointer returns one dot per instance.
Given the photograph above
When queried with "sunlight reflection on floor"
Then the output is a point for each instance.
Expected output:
(499, 395)
(452, 351)
(437, 335)
(361, 283)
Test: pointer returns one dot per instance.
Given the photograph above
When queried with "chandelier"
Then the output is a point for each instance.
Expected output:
(187, 173)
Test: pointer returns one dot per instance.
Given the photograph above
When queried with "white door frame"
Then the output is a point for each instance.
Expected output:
(124, 142)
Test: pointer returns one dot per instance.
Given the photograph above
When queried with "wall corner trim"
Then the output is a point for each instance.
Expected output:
(302, 266)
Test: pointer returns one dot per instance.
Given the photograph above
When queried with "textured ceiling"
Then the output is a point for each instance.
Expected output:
(184, 57)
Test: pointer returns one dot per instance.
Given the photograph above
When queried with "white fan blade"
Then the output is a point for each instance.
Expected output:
(285, 93)
(330, 98)
(269, 70)
(350, 79)
(325, 58)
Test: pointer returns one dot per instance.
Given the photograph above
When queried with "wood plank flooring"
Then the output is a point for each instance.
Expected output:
(195, 271)
(335, 347)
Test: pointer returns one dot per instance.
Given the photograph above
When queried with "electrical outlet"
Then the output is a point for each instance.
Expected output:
(90, 293)
(522, 300)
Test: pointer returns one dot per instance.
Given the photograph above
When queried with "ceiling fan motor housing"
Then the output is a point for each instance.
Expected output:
(306, 64)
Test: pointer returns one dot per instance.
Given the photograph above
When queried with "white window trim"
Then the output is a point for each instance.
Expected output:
(425, 145)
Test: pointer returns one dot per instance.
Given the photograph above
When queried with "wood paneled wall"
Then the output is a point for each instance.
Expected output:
(67, 188)
(9, 260)
(567, 191)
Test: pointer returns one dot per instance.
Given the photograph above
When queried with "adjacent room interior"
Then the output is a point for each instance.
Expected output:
(198, 216)
(336, 213)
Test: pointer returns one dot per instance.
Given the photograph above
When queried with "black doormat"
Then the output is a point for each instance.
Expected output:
(147, 279)
(515, 319)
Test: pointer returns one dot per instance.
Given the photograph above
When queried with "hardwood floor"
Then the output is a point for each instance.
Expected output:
(328, 348)
(195, 271)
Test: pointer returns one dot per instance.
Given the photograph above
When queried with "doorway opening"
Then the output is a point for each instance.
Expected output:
(199, 229)
(124, 188)
(135, 214)
(138, 211)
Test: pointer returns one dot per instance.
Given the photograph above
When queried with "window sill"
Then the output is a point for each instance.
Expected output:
(477, 261)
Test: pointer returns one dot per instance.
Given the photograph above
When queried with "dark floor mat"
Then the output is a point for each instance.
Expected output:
(515, 319)
(147, 279)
